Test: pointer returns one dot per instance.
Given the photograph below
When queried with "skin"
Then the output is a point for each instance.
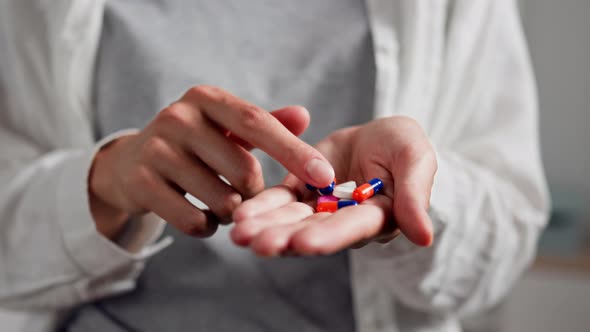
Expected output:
(184, 148)
(281, 220)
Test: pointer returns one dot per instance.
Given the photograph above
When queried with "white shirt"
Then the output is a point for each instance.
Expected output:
(460, 68)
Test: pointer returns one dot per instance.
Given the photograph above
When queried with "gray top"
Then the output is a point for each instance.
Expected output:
(273, 53)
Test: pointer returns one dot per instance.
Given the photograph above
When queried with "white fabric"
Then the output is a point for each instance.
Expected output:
(460, 68)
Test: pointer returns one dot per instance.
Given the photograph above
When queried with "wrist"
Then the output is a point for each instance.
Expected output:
(109, 219)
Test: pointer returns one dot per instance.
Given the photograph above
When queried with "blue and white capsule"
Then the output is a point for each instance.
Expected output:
(322, 191)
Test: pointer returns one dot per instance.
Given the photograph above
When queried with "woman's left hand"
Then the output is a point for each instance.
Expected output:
(282, 220)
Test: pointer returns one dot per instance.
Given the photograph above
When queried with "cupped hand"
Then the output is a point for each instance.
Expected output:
(281, 220)
(206, 133)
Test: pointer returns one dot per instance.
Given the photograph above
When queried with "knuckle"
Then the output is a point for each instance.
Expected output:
(253, 118)
(140, 179)
(175, 115)
(205, 92)
(154, 148)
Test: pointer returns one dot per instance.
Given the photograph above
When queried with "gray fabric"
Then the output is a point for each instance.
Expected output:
(274, 53)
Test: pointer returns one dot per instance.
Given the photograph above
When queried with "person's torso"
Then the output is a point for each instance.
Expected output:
(314, 53)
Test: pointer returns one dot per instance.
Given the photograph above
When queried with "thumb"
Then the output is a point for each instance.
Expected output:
(413, 185)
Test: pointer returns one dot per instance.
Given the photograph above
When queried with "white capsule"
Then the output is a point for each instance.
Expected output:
(344, 190)
(348, 184)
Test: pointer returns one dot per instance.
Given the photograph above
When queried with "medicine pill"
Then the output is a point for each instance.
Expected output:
(327, 198)
(348, 184)
(333, 206)
(367, 190)
(322, 191)
(310, 187)
(344, 190)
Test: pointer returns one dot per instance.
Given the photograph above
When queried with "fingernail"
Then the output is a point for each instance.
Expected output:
(320, 171)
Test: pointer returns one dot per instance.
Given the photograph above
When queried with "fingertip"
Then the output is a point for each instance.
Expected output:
(239, 235)
(423, 239)
(305, 118)
(268, 244)
(303, 114)
(246, 210)
(415, 224)
(241, 213)
(320, 172)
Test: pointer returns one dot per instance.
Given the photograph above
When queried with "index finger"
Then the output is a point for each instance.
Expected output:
(257, 127)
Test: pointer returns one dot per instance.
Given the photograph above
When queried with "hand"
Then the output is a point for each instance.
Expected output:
(206, 133)
(281, 220)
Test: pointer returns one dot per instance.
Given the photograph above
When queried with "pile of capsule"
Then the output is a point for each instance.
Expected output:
(334, 197)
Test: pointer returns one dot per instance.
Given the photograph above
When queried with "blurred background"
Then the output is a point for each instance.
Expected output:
(555, 294)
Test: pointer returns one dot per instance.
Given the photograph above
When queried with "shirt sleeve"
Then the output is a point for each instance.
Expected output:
(51, 255)
(489, 201)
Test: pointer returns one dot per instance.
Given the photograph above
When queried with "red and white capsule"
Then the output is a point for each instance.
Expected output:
(367, 190)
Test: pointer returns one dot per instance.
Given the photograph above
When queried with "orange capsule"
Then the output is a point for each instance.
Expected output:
(333, 206)
(367, 190)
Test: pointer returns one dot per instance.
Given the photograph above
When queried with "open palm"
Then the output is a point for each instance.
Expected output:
(282, 219)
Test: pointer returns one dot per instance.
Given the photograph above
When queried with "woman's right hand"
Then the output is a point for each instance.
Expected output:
(206, 133)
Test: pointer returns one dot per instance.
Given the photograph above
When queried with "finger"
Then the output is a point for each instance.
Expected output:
(267, 200)
(263, 131)
(413, 184)
(294, 118)
(388, 237)
(171, 206)
(237, 165)
(385, 238)
(360, 244)
(274, 240)
(344, 228)
(299, 189)
(191, 130)
(243, 233)
(194, 177)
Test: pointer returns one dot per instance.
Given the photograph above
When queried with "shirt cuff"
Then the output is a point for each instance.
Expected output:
(93, 253)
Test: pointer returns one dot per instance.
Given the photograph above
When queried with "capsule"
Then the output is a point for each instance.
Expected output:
(327, 198)
(333, 206)
(344, 190)
(322, 191)
(367, 190)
